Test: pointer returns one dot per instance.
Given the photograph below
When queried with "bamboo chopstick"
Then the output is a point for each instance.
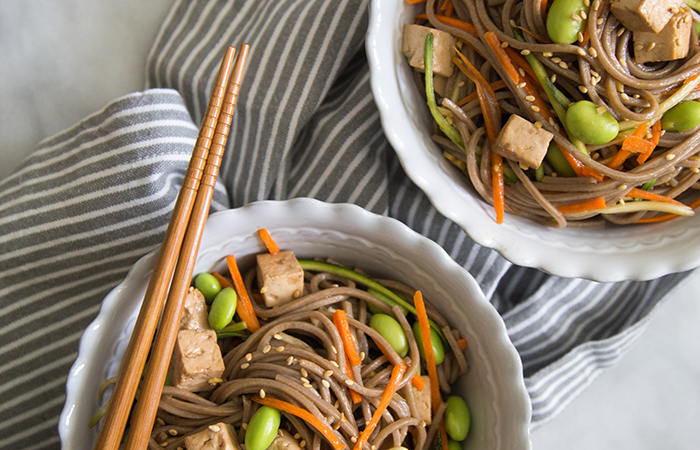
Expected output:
(198, 172)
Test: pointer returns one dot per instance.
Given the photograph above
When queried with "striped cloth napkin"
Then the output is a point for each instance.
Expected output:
(95, 198)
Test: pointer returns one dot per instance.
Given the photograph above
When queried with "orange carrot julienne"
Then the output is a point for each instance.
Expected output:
(543, 10)
(496, 85)
(520, 62)
(269, 242)
(634, 144)
(462, 342)
(483, 90)
(415, 2)
(387, 395)
(646, 195)
(424, 325)
(619, 158)
(340, 319)
(655, 136)
(584, 206)
(304, 415)
(418, 382)
(244, 308)
(497, 185)
(502, 57)
(223, 281)
(453, 22)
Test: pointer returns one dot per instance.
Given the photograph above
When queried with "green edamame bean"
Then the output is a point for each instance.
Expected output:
(457, 418)
(222, 308)
(262, 428)
(562, 27)
(592, 127)
(207, 285)
(682, 117)
(435, 340)
(453, 445)
(391, 330)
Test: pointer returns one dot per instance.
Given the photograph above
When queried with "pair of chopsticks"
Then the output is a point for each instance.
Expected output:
(181, 244)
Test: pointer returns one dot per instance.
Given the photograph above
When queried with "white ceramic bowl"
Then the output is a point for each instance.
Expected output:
(604, 254)
(494, 385)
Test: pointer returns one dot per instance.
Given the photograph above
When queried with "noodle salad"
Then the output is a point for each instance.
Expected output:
(297, 354)
(567, 112)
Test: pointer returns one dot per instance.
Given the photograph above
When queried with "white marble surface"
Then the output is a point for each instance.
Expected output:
(61, 60)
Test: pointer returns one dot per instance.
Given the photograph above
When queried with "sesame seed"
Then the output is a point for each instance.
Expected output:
(172, 432)
(373, 447)
(303, 372)
(304, 380)
(601, 109)
(579, 37)
(593, 52)
(277, 336)
(695, 170)
(244, 425)
(342, 417)
(621, 202)
(290, 360)
(349, 382)
(581, 51)
(538, 124)
(521, 72)
(214, 428)
(553, 78)
(262, 393)
(504, 44)
(297, 436)
(335, 364)
(595, 74)
(651, 46)
(249, 356)
(216, 380)
(620, 32)
(583, 14)
(563, 65)
(191, 289)
(595, 81)
(333, 349)
(160, 421)
(353, 439)
(621, 187)
(576, 17)
(624, 96)
(263, 289)
(461, 83)
(302, 444)
(596, 4)
(523, 166)
(245, 366)
(296, 294)
(670, 157)
(328, 373)
(521, 85)
(535, 108)
(280, 348)
(267, 348)
(547, 54)
(586, 3)
(525, 52)
(325, 384)
(496, 168)
(307, 385)
(551, 121)
(422, 423)
(556, 60)
(530, 98)
(600, 21)
(164, 444)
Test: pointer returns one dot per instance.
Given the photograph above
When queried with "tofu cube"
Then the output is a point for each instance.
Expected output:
(413, 48)
(220, 436)
(284, 441)
(423, 403)
(523, 142)
(195, 316)
(645, 15)
(280, 277)
(196, 360)
(673, 42)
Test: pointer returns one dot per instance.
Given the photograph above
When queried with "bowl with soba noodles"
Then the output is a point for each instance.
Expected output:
(315, 325)
(564, 134)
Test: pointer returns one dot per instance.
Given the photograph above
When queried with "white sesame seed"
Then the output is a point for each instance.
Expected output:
(172, 432)
(214, 428)
(583, 14)
(164, 444)
(547, 54)
(563, 65)
(576, 17)
(325, 384)
(556, 60)
(303, 372)
(290, 360)
(695, 170)
(521, 72)
(349, 382)
(553, 78)
(583, 89)
(249, 356)
(245, 366)
(670, 157)
(353, 439)
(267, 348)
(593, 52)
(579, 37)
(297, 436)
(262, 393)
(280, 348)
(651, 46)
(535, 108)
(504, 44)
(302, 444)
(263, 289)
(335, 364)
(307, 385)
(277, 336)
(622, 187)
(581, 51)
(328, 373)
(333, 349)
(304, 380)
(525, 52)
(523, 166)
(600, 21)
(244, 425)
(530, 98)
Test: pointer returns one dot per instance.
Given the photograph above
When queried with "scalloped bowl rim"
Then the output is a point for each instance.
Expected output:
(605, 254)
(388, 240)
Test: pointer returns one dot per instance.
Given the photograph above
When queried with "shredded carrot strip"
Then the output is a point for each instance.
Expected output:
(225, 283)
(269, 242)
(496, 85)
(497, 184)
(584, 206)
(630, 144)
(304, 415)
(521, 62)
(633, 144)
(244, 308)
(619, 159)
(655, 136)
(501, 55)
(543, 10)
(483, 89)
(453, 22)
(462, 342)
(415, 2)
(646, 195)
(355, 396)
(340, 319)
(427, 349)
(387, 395)
(447, 8)
(418, 382)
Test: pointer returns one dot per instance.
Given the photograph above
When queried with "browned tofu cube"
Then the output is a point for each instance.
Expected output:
(413, 48)
(673, 42)
(280, 277)
(645, 15)
(523, 142)
(196, 360)
(195, 316)
(220, 436)
(423, 403)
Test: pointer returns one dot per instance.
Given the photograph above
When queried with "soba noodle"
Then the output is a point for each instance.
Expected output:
(599, 67)
(297, 356)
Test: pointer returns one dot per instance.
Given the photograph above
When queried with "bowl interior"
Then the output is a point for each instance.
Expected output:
(493, 387)
(610, 253)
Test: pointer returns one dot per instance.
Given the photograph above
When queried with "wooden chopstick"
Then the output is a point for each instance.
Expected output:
(147, 405)
(122, 398)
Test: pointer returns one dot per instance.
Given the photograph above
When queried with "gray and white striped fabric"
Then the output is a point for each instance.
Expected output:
(96, 197)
